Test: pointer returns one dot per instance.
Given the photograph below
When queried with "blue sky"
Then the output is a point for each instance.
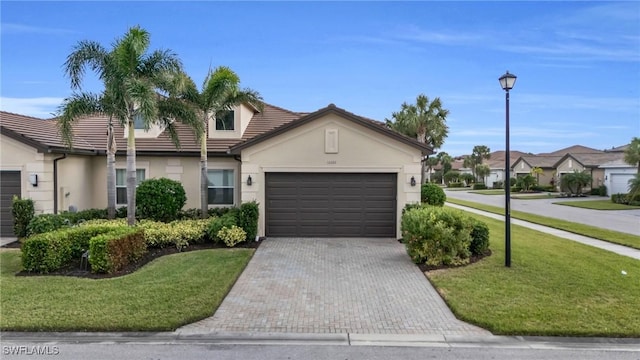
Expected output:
(578, 63)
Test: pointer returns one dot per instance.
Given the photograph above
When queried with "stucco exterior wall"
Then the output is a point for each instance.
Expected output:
(356, 150)
(18, 156)
(183, 169)
(569, 165)
(74, 182)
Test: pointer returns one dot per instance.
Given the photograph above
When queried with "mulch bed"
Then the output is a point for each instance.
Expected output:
(75, 270)
(472, 259)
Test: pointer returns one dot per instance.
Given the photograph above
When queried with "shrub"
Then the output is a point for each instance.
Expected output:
(479, 238)
(432, 194)
(215, 225)
(46, 252)
(410, 206)
(121, 212)
(451, 176)
(232, 235)
(479, 187)
(46, 223)
(620, 199)
(84, 215)
(437, 236)
(160, 199)
(189, 232)
(467, 178)
(22, 211)
(116, 249)
(219, 211)
(248, 219)
(455, 185)
(498, 185)
(189, 214)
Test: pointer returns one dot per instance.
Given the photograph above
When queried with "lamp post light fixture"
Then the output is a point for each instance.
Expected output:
(506, 82)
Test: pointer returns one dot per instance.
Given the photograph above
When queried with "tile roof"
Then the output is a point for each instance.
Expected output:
(596, 159)
(90, 133)
(541, 161)
(575, 149)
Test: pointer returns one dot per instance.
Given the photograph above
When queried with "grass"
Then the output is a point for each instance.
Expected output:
(615, 237)
(457, 189)
(167, 293)
(554, 287)
(598, 205)
(533, 197)
(488, 192)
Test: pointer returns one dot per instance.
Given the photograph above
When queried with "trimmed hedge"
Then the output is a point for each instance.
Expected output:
(432, 194)
(455, 185)
(232, 236)
(160, 199)
(479, 238)
(45, 223)
(116, 249)
(215, 225)
(248, 219)
(51, 251)
(437, 236)
(479, 187)
(22, 211)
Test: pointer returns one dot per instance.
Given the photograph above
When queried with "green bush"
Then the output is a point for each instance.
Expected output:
(620, 199)
(248, 219)
(84, 215)
(215, 225)
(22, 211)
(455, 185)
(116, 249)
(189, 214)
(432, 194)
(179, 233)
(219, 211)
(479, 238)
(410, 206)
(479, 187)
(121, 212)
(160, 199)
(46, 252)
(232, 236)
(498, 185)
(437, 236)
(46, 223)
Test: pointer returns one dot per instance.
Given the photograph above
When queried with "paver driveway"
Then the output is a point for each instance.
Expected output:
(365, 286)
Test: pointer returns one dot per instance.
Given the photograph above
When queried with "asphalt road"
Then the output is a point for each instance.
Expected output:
(627, 221)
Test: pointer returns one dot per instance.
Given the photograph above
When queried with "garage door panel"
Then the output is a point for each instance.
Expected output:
(331, 205)
(10, 182)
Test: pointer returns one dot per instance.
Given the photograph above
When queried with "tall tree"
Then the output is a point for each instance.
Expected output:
(632, 153)
(445, 161)
(136, 83)
(425, 120)
(479, 153)
(482, 171)
(431, 162)
(220, 93)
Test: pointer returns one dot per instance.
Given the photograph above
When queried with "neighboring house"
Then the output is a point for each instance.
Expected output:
(496, 163)
(589, 162)
(617, 174)
(326, 173)
(523, 165)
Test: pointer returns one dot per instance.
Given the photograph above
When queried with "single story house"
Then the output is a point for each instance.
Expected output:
(329, 173)
(617, 174)
(524, 164)
(589, 162)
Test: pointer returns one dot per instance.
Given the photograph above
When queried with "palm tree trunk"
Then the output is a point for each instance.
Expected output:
(131, 174)
(111, 172)
(204, 181)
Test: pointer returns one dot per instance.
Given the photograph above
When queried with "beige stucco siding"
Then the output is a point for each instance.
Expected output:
(74, 182)
(569, 165)
(183, 169)
(18, 156)
(306, 149)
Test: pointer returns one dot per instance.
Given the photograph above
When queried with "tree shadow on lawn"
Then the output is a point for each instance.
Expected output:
(74, 269)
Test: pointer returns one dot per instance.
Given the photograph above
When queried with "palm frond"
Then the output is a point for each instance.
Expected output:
(74, 107)
(85, 54)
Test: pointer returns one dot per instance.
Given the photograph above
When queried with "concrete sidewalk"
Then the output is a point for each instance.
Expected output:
(618, 249)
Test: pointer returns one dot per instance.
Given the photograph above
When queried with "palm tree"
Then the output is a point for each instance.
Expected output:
(632, 153)
(431, 162)
(220, 93)
(135, 84)
(479, 153)
(426, 121)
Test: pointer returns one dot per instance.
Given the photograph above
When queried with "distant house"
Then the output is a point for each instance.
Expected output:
(617, 174)
(325, 173)
(524, 164)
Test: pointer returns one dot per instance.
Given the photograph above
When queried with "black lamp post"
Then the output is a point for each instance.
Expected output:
(507, 81)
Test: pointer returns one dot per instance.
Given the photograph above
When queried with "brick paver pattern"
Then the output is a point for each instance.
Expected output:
(364, 286)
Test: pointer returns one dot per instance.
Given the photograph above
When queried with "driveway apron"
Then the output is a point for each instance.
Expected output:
(302, 285)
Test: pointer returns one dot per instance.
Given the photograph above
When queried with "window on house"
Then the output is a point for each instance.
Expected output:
(221, 187)
(225, 120)
(138, 121)
(121, 184)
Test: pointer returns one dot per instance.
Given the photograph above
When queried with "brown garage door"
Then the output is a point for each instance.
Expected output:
(330, 205)
(9, 186)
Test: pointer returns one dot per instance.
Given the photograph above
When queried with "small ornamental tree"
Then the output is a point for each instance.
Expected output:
(160, 199)
(575, 181)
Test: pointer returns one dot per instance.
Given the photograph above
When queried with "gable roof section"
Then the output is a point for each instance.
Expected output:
(593, 159)
(575, 149)
(39, 134)
(332, 109)
(541, 161)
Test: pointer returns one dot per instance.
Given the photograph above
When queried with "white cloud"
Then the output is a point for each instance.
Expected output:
(12, 28)
(41, 107)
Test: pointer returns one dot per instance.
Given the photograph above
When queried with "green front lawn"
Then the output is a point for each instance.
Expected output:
(167, 293)
(554, 287)
(532, 197)
(586, 230)
(488, 192)
(598, 205)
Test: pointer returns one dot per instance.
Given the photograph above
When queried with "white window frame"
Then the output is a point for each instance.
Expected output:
(144, 172)
(232, 186)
